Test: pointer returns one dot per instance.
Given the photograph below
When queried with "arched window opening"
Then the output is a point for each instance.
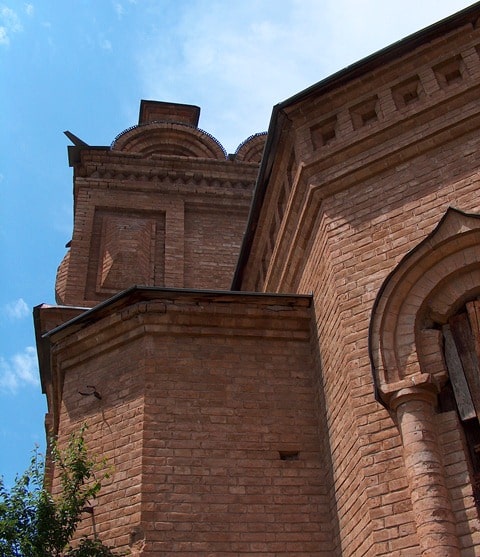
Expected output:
(412, 336)
(461, 344)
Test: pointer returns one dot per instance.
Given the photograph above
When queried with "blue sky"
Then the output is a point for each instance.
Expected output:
(84, 65)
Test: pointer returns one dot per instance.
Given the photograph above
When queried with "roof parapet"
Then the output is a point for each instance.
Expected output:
(158, 111)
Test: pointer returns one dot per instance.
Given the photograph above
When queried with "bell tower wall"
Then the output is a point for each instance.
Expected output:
(164, 206)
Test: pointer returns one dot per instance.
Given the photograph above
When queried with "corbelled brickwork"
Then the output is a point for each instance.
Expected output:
(329, 403)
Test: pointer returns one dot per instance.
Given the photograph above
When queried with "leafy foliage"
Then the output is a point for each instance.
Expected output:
(33, 523)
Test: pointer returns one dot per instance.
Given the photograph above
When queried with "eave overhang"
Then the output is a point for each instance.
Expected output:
(138, 294)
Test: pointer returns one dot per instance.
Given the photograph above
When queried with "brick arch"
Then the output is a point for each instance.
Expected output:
(167, 138)
(251, 150)
(428, 286)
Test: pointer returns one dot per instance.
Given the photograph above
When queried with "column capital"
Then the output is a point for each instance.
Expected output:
(425, 392)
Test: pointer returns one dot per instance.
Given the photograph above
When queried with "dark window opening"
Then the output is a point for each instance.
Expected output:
(462, 392)
(289, 455)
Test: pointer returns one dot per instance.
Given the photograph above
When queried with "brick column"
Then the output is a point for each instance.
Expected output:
(414, 410)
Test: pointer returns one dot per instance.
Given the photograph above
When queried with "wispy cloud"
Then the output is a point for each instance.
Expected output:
(29, 9)
(18, 309)
(242, 58)
(119, 9)
(105, 44)
(19, 371)
(9, 24)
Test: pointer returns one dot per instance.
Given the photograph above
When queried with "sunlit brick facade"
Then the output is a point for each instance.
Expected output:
(285, 341)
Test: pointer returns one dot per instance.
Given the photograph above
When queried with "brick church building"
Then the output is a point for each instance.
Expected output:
(277, 350)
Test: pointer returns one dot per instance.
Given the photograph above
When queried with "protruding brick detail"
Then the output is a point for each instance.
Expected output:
(449, 72)
(365, 113)
(324, 132)
(408, 92)
(157, 111)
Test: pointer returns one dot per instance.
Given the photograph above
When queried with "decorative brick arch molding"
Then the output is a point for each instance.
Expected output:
(251, 150)
(169, 138)
(430, 284)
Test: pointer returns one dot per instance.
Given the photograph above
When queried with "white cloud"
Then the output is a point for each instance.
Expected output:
(29, 9)
(9, 24)
(19, 371)
(17, 309)
(234, 60)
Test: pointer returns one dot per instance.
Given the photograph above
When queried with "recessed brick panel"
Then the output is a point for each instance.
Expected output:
(126, 253)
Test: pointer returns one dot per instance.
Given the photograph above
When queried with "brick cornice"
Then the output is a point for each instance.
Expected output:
(125, 172)
(319, 178)
(143, 319)
(101, 160)
(168, 184)
(401, 138)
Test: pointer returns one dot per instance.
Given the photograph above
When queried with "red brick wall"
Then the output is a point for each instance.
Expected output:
(115, 430)
(219, 415)
(367, 231)
(212, 243)
(204, 405)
